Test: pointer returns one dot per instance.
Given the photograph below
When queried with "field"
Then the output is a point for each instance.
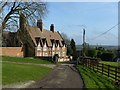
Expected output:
(111, 63)
(95, 80)
(15, 72)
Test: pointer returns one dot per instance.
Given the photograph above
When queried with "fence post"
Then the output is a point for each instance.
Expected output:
(108, 70)
(93, 64)
(115, 73)
(97, 67)
(102, 68)
(87, 63)
(90, 64)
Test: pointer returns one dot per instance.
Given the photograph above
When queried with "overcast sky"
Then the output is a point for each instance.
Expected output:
(96, 17)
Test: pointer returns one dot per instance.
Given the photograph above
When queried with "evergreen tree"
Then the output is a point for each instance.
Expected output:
(73, 48)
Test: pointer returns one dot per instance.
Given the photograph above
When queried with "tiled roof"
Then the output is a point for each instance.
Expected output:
(35, 32)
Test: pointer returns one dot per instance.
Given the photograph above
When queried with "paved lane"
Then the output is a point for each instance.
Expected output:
(63, 76)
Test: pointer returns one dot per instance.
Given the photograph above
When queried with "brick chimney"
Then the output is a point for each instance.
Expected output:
(40, 24)
(52, 28)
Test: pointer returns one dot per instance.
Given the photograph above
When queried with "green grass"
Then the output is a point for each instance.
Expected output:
(13, 73)
(110, 63)
(95, 80)
(26, 60)
(0, 73)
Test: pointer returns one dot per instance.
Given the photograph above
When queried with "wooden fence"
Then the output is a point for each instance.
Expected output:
(111, 72)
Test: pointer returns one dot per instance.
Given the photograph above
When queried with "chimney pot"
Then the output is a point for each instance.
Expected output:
(52, 27)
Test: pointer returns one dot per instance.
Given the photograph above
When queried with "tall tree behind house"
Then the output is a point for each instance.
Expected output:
(67, 42)
(73, 47)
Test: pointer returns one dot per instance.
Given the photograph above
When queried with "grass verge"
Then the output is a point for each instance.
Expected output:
(13, 73)
(95, 80)
(26, 60)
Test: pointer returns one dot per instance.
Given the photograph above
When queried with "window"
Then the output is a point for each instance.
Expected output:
(53, 48)
(39, 47)
(45, 48)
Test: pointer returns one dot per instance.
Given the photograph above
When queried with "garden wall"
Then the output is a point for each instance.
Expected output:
(12, 51)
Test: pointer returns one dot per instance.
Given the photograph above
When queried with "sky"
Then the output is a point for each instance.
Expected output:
(95, 17)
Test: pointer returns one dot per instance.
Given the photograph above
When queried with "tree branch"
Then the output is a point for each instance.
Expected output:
(3, 6)
(30, 9)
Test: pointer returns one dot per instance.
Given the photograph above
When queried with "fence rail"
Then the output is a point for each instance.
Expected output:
(112, 72)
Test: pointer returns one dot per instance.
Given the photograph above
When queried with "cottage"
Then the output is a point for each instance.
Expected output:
(47, 43)
(39, 42)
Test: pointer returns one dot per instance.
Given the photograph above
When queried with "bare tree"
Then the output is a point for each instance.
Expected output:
(66, 38)
(67, 42)
(11, 10)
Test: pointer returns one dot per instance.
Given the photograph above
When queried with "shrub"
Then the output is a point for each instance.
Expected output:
(107, 56)
(99, 54)
(92, 53)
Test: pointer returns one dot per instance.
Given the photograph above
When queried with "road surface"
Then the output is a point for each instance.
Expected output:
(63, 76)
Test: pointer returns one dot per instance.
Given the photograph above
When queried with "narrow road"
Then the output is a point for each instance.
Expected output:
(63, 76)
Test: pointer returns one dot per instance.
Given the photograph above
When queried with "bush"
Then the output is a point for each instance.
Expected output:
(99, 54)
(107, 56)
(92, 53)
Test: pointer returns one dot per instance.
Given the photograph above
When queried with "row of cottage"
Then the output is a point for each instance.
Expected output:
(48, 43)
(42, 42)
(55, 48)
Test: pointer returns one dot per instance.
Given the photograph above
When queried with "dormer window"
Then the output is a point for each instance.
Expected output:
(57, 42)
(52, 41)
(37, 39)
(43, 40)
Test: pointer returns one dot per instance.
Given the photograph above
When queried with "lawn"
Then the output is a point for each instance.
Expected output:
(110, 63)
(95, 80)
(26, 60)
(13, 73)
